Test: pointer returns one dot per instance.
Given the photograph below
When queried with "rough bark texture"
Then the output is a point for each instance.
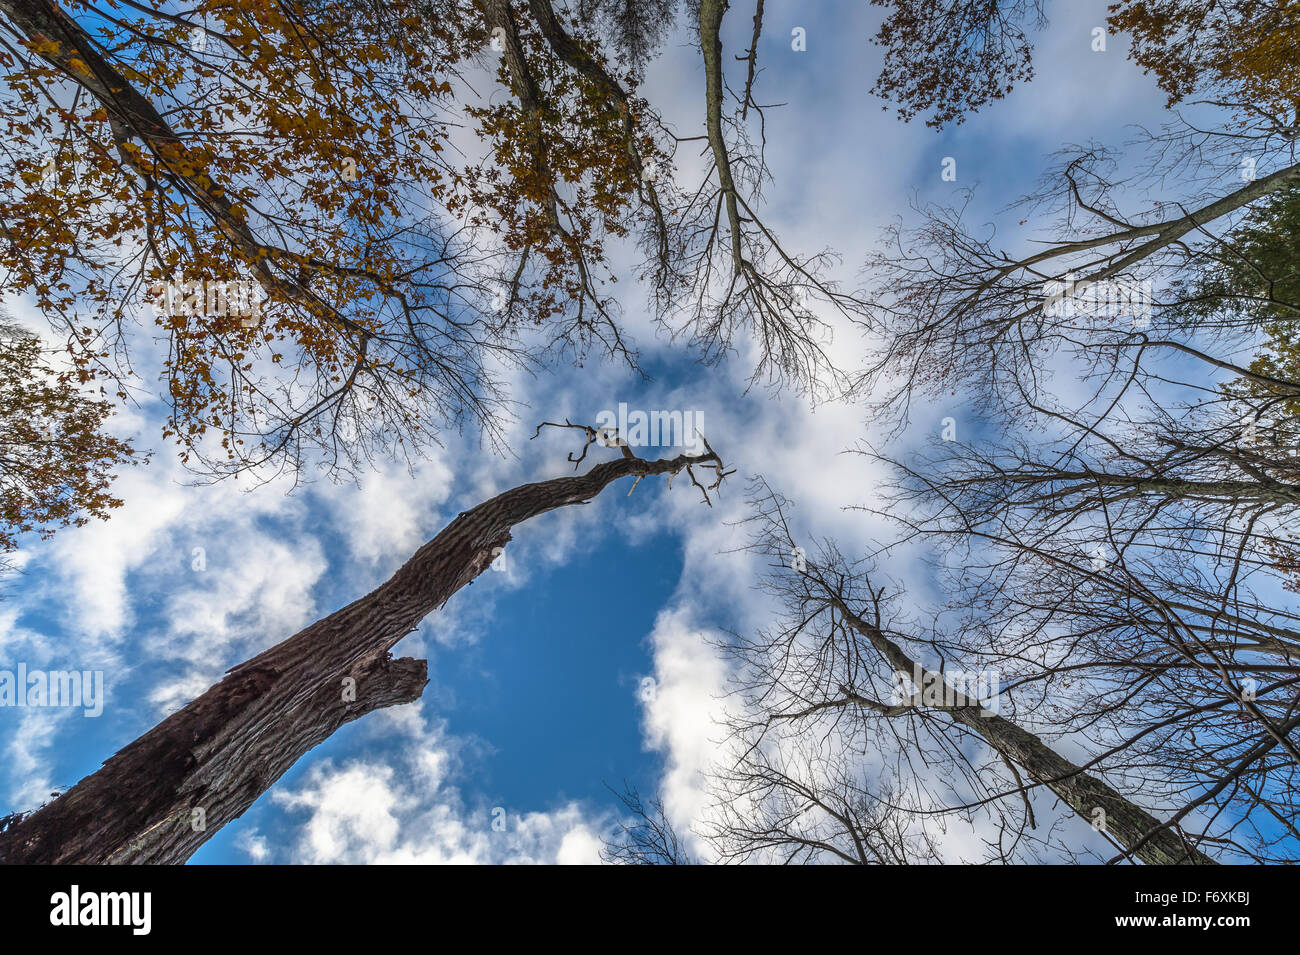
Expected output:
(226, 748)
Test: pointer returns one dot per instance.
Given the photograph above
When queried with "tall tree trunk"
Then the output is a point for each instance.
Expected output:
(168, 792)
(1140, 833)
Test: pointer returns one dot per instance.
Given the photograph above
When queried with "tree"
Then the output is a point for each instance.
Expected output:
(273, 182)
(303, 146)
(649, 839)
(56, 460)
(835, 675)
(805, 809)
(185, 158)
(798, 798)
(955, 309)
(1119, 559)
(162, 796)
(1253, 279)
(1122, 551)
(1126, 580)
(952, 57)
(1243, 49)
(845, 747)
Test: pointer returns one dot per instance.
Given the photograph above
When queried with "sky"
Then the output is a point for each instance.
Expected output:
(584, 662)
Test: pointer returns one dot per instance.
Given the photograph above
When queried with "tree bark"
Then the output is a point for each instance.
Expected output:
(160, 798)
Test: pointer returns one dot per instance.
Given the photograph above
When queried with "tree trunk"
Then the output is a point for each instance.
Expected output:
(167, 793)
(1139, 832)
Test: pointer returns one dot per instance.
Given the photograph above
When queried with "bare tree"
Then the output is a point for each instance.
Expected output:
(957, 311)
(1136, 578)
(741, 274)
(1122, 559)
(164, 795)
(648, 839)
(834, 668)
(790, 803)
(794, 797)
(1125, 551)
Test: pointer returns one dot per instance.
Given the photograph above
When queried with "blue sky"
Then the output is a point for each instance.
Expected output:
(536, 697)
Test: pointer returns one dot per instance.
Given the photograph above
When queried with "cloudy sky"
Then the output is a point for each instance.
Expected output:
(585, 660)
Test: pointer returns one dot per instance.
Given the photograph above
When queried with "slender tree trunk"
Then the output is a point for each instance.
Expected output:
(168, 792)
(711, 13)
(1139, 832)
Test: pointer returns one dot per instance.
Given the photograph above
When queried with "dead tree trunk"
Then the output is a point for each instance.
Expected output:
(167, 793)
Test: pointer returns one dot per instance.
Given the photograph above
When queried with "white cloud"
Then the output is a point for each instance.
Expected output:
(407, 810)
(681, 717)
